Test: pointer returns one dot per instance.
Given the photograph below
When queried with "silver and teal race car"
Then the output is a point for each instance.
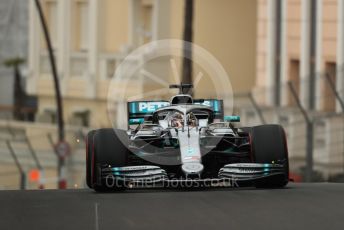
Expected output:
(185, 142)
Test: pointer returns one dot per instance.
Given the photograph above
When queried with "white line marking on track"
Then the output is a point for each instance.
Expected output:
(96, 216)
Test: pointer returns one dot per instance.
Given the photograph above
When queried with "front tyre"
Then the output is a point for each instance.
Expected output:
(109, 148)
(269, 145)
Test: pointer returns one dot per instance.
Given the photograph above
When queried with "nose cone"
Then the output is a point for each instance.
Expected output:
(192, 168)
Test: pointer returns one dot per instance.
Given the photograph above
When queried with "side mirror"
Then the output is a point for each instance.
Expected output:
(232, 118)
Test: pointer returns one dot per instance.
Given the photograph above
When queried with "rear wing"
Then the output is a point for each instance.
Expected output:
(215, 104)
(139, 111)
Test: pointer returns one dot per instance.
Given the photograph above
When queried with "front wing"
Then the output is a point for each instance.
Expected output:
(231, 175)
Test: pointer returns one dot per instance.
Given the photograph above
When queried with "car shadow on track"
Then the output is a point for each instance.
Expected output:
(181, 190)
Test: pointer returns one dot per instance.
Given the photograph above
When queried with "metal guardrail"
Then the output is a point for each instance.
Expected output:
(314, 136)
(23, 153)
(22, 173)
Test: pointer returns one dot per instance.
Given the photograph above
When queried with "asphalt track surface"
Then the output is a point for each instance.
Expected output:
(300, 206)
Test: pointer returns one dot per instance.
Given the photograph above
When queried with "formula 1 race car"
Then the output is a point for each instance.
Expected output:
(185, 141)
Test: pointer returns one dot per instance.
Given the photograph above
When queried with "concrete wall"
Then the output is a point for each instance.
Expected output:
(295, 45)
(13, 42)
(227, 29)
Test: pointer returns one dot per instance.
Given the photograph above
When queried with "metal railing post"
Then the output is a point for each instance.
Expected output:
(37, 162)
(334, 90)
(22, 183)
(309, 135)
(257, 108)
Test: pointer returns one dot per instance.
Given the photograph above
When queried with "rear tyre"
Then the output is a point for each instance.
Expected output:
(268, 143)
(110, 147)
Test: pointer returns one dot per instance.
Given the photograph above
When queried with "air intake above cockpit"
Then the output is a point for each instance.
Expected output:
(181, 99)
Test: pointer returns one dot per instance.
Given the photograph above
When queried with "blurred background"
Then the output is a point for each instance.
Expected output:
(284, 59)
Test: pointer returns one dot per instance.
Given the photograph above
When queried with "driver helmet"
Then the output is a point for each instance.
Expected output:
(191, 119)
